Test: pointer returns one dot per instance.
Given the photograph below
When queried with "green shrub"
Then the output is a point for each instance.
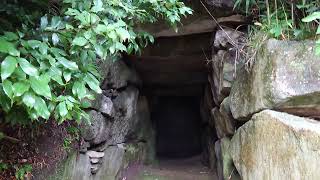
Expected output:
(282, 19)
(49, 50)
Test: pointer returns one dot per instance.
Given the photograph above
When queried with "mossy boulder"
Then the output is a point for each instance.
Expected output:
(225, 166)
(285, 76)
(276, 145)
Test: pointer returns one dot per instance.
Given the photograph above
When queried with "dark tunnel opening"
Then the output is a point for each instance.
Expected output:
(178, 126)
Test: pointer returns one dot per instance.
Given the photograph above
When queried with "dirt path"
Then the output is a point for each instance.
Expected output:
(172, 169)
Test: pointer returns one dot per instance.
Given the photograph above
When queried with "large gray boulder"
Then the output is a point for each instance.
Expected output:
(126, 105)
(117, 159)
(115, 121)
(276, 145)
(225, 166)
(143, 131)
(118, 75)
(75, 167)
(284, 76)
(97, 130)
(104, 105)
(222, 119)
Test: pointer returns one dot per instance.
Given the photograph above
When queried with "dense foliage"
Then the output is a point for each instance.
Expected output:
(285, 19)
(49, 50)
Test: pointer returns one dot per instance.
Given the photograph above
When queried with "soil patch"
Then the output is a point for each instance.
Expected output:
(40, 146)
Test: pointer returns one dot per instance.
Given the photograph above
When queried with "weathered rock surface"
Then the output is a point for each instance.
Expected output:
(78, 166)
(206, 105)
(228, 38)
(118, 75)
(285, 76)
(104, 105)
(126, 103)
(94, 160)
(115, 129)
(225, 62)
(225, 167)
(97, 131)
(118, 159)
(208, 154)
(143, 130)
(222, 119)
(95, 154)
(275, 145)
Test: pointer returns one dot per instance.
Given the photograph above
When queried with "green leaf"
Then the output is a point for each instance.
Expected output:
(72, 12)
(99, 50)
(123, 34)
(43, 48)
(56, 74)
(68, 64)
(19, 73)
(70, 105)
(112, 35)
(67, 75)
(34, 43)
(8, 47)
(97, 6)
(5, 101)
(40, 86)
(62, 108)
(10, 36)
(79, 89)
(20, 88)
(101, 28)
(41, 108)
(56, 22)
(8, 66)
(312, 17)
(120, 47)
(43, 22)
(94, 18)
(276, 31)
(55, 39)
(27, 67)
(29, 99)
(7, 88)
(58, 52)
(86, 104)
(93, 83)
(80, 41)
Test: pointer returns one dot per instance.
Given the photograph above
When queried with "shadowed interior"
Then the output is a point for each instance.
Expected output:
(177, 123)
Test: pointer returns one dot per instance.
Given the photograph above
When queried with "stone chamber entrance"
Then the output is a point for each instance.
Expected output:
(174, 74)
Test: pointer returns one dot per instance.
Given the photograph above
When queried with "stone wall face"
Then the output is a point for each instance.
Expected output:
(260, 134)
(120, 132)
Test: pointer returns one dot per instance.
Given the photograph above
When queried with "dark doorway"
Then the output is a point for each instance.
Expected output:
(178, 123)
